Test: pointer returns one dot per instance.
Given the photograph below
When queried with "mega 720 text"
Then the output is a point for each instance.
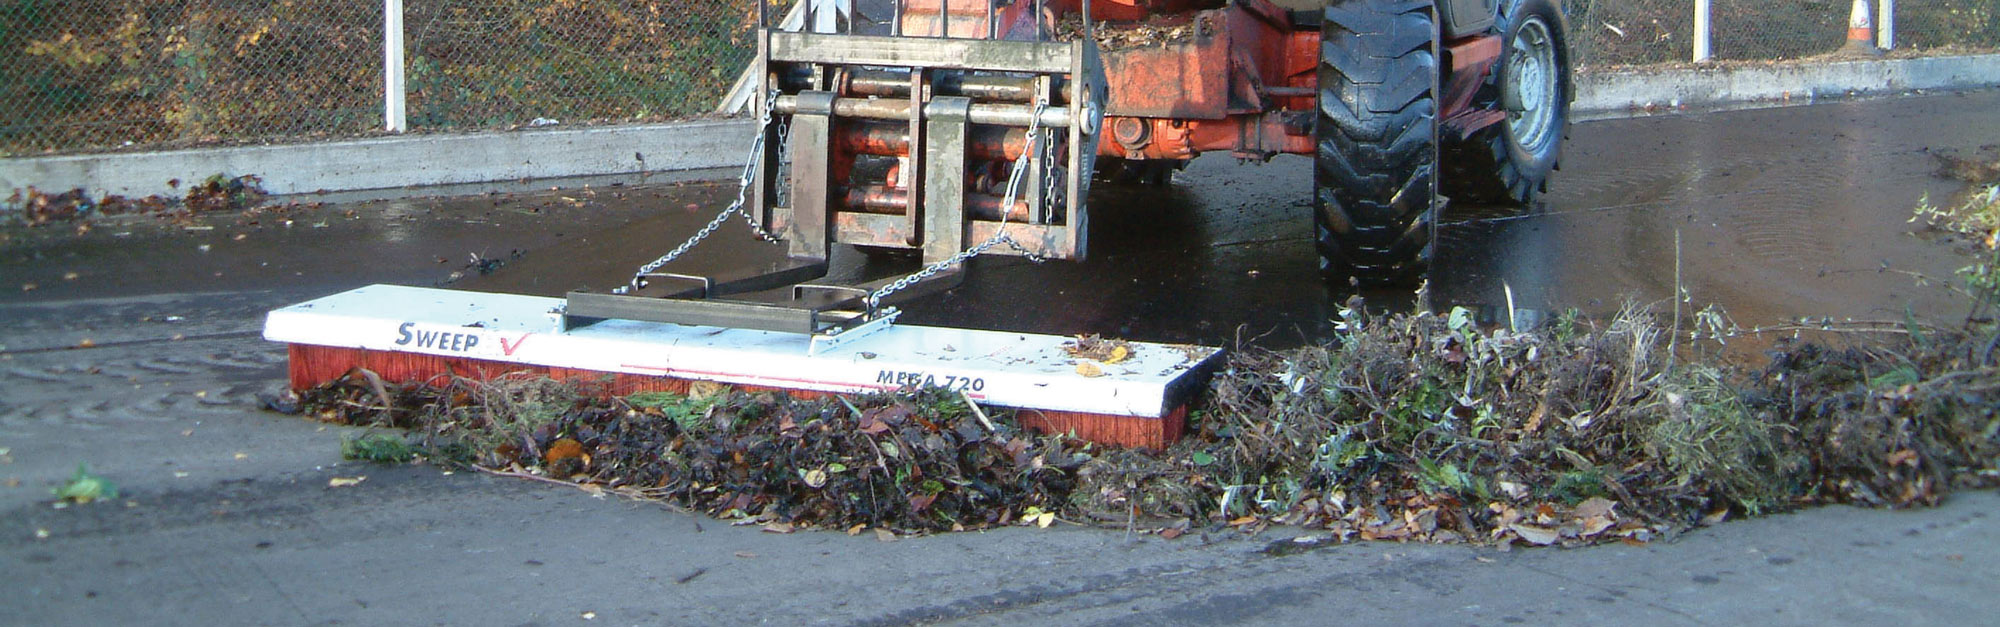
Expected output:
(911, 379)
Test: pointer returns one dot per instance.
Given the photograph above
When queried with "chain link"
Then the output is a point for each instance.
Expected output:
(742, 192)
(781, 189)
(1000, 235)
(1052, 182)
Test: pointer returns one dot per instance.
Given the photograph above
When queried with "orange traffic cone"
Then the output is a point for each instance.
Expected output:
(1861, 30)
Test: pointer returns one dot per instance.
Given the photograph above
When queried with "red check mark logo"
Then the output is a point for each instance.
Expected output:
(509, 347)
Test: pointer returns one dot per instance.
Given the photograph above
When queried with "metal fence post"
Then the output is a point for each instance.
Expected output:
(1702, 51)
(395, 116)
(1885, 24)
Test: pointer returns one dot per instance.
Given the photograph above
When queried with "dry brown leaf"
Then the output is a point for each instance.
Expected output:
(1594, 507)
(885, 535)
(1903, 457)
(1593, 526)
(1715, 518)
(1535, 535)
(562, 449)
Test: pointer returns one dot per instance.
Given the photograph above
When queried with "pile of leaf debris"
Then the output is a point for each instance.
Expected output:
(1428, 427)
(1410, 427)
(905, 463)
(218, 193)
(1156, 31)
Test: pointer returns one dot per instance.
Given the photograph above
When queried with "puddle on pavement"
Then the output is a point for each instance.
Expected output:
(1780, 213)
(420, 241)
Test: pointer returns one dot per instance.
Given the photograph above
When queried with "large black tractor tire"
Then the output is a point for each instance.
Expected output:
(1375, 195)
(1509, 163)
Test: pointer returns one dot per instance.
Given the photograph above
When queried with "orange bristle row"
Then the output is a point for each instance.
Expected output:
(315, 365)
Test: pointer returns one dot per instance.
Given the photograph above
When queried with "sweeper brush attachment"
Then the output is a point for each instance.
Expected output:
(417, 335)
(951, 136)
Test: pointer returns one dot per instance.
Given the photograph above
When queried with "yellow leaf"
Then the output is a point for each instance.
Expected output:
(1044, 519)
(1118, 353)
(702, 390)
(1089, 369)
(344, 482)
(814, 477)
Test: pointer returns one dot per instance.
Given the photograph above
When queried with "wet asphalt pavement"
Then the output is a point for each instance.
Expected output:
(1778, 213)
(134, 346)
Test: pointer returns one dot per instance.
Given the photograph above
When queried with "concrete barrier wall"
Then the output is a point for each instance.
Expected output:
(1640, 90)
(417, 161)
(409, 161)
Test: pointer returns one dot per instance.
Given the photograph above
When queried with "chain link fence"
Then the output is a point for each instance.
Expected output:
(99, 74)
(93, 75)
(1615, 33)
(501, 63)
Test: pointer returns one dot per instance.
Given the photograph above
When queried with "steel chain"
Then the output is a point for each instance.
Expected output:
(742, 191)
(1000, 235)
(781, 190)
(1052, 183)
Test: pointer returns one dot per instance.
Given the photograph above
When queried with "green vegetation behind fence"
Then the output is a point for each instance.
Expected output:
(93, 75)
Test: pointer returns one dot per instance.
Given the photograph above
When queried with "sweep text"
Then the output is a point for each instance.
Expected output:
(409, 335)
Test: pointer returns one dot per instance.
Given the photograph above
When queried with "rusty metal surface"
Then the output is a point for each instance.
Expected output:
(812, 178)
(944, 185)
(924, 52)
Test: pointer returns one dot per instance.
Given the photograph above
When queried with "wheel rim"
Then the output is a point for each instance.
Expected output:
(1531, 67)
